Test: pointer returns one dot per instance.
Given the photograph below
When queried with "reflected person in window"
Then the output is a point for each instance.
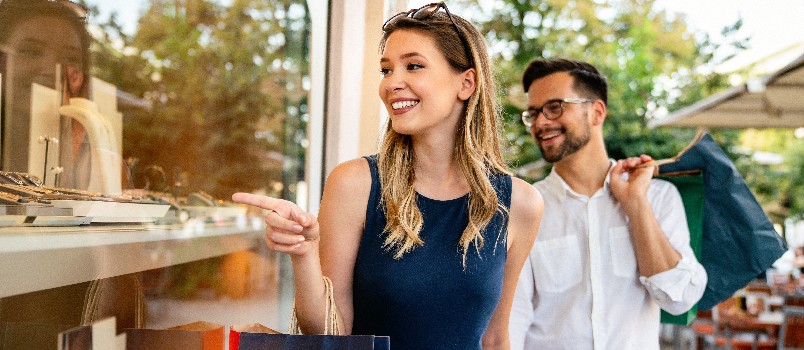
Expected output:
(614, 243)
(37, 36)
(423, 241)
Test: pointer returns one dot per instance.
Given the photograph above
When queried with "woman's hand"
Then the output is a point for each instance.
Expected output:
(288, 228)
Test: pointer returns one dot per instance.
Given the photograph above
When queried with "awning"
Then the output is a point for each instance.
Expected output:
(774, 101)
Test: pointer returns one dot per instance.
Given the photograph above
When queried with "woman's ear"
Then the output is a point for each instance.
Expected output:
(468, 84)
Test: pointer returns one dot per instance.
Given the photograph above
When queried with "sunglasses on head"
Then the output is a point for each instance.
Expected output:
(426, 12)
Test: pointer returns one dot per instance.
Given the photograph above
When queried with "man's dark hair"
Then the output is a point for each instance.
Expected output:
(588, 80)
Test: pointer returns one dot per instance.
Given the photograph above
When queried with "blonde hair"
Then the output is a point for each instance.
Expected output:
(477, 146)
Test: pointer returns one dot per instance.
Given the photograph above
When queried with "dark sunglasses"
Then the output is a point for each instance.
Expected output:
(425, 12)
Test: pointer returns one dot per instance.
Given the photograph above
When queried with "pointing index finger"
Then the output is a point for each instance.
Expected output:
(263, 202)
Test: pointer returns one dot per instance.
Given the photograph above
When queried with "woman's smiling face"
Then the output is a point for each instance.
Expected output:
(419, 88)
(37, 45)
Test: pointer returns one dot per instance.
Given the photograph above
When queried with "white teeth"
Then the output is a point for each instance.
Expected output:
(404, 104)
(548, 136)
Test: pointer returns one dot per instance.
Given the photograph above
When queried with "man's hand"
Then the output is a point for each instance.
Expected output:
(629, 184)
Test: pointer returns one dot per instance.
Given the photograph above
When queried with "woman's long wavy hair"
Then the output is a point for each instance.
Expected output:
(477, 146)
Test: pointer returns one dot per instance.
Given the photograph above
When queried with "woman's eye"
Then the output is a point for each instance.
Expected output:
(384, 71)
(414, 66)
(30, 51)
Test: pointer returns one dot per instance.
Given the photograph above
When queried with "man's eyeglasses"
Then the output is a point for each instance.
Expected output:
(551, 110)
(425, 12)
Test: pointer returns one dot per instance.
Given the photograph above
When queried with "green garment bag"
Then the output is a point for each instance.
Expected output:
(691, 187)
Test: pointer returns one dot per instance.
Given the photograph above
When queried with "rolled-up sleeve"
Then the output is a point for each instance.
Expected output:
(678, 289)
(522, 308)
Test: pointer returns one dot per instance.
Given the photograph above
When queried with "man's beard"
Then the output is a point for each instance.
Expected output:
(572, 143)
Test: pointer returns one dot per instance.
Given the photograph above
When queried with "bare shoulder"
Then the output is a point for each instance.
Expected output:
(527, 206)
(343, 212)
(349, 176)
(526, 200)
(346, 193)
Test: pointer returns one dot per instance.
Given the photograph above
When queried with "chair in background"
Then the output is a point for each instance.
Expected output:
(758, 286)
(704, 328)
(794, 300)
(791, 336)
(733, 329)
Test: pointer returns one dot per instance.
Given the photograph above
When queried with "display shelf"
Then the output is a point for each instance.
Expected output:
(37, 258)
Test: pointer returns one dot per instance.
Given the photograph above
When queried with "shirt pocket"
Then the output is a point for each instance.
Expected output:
(623, 257)
(557, 264)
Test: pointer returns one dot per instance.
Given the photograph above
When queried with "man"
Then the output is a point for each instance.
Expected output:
(613, 246)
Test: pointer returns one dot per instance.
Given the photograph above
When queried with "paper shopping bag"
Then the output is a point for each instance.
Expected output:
(275, 341)
(739, 241)
(193, 336)
(265, 341)
(235, 330)
(691, 187)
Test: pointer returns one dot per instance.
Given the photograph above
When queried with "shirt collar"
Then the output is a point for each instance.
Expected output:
(559, 187)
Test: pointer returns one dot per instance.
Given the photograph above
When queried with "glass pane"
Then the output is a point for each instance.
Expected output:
(171, 103)
(206, 97)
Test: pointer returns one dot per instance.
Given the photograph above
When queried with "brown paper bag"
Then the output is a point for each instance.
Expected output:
(193, 336)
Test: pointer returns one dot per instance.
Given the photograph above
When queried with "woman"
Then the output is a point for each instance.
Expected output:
(423, 242)
(37, 36)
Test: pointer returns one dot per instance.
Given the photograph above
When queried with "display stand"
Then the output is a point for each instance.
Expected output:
(38, 258)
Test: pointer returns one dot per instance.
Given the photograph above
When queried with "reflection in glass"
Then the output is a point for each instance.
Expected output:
(38, 38)
(198, 99)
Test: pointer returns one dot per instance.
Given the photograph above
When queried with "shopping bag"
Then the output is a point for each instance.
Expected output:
(235, 330)
(263, 338)
(258, 337)
(691, 187)
(193, 336)
(78, 338)
(739, 241)
(99, 335)
(269, 341)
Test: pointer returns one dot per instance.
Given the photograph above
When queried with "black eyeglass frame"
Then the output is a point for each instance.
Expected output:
(530, 115)
(426, 12)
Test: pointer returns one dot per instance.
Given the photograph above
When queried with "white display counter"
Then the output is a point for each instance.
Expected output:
(37, 258)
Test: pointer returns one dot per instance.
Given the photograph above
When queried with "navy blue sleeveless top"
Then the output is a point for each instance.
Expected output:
(427, 299)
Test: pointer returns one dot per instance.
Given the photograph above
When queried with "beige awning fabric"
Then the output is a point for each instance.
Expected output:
(775, 101)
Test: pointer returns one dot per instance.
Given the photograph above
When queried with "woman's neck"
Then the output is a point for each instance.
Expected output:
(438, 174)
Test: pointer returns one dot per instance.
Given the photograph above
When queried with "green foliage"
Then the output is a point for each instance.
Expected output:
(794, 187)
(654, 64)
(188, 280)
(226, 88)
(779, 187)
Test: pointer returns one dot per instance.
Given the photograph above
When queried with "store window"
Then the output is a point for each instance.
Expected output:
(171, 103)
(202, 96)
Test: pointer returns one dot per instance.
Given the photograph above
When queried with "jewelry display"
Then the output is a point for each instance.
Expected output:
(47, 140)
(106, 163)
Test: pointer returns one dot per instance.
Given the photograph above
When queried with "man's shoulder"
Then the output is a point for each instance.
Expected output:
(662, 191)
(657, 184)
(544, 185)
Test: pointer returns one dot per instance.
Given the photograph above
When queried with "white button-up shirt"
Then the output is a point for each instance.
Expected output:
(580, 288)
